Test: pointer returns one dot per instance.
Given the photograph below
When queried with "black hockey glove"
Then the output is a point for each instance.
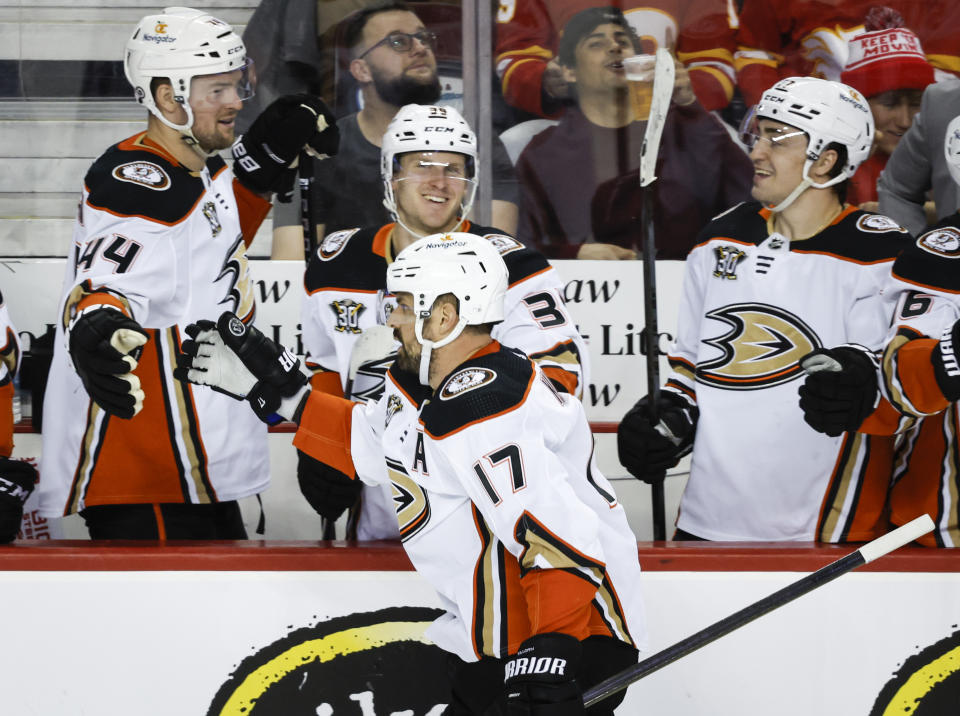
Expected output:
(945, 367)
(841, 389)
(105, 345)
(17, 480)
(328, 490)
(240, 361)
(540, 679)
(291, 124)
(648, 450)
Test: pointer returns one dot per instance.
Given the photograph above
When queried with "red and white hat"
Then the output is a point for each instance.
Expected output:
(888, 59)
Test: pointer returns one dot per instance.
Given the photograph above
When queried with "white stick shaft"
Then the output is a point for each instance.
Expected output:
(893, 540)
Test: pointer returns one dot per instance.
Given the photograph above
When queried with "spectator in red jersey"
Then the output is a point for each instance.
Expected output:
(701, 32)
(888, 67)
(784, 38)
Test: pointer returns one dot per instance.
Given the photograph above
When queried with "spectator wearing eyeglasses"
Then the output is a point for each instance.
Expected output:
(393, 62)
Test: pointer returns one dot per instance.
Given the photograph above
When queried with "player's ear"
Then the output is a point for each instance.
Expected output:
(163, 97)
(360, 70)
(825, 163)
(569, 74)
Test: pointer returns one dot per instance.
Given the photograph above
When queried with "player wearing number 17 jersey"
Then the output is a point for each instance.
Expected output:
(500, 504)
(428, 187)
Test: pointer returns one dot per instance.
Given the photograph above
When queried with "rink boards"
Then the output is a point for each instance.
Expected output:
(309, 628)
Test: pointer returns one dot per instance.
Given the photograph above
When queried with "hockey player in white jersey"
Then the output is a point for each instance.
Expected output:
(768, 282)
(429, 170)
(499, 500)
(917, 392)
(160, 240)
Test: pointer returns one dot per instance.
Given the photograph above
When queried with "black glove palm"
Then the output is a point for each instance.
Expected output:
(291, 124)
(840, 390)
(648, 450)
(17, 480)
(328, 490)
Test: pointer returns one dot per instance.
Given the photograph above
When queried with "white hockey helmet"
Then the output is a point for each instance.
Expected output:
(826, 112)
(466, 265)
(951, 148)
(179, 44)
(427, 128)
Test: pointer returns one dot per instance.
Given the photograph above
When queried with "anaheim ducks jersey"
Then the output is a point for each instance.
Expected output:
(9, 365)
(166, 246)
(495, 486)
(753, 304)
(345, 284)
(926, 471)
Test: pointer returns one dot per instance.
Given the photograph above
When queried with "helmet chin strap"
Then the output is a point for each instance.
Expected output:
(805, 183)
(185, 130)
(427, 346)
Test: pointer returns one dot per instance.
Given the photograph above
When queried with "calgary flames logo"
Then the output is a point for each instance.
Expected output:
(762, 348)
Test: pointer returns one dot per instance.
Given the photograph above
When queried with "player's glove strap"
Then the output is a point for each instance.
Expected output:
(841, 388)
(648, 450)
(540, 679)
(264, 154)
(17, 480)
(105, 345)
(946, 368)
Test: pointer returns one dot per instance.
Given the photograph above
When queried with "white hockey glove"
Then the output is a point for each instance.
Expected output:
(105, 345)
(238, 360)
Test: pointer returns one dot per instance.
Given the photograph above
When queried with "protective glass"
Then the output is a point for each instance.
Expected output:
(750, 134)
(403, 41)
(225, 87)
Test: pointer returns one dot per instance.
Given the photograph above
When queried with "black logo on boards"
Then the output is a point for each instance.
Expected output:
(357, 665)
(928, 683)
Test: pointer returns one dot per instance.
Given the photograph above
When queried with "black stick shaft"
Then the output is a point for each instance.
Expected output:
(653, 345)
(307, 221)
(620, 681)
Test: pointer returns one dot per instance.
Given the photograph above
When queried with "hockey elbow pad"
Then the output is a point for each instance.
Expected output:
(841, 389)
(105, 345)
(326, 489)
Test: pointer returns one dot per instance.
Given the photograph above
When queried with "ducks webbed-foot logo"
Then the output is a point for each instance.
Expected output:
(368, 664)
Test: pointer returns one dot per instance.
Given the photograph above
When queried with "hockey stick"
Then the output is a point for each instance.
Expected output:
(305, 179)
(659, 106)
(869, 552)
(375, 343)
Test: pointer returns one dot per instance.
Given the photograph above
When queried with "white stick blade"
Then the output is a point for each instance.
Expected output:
(659, 106)
(894, 540)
